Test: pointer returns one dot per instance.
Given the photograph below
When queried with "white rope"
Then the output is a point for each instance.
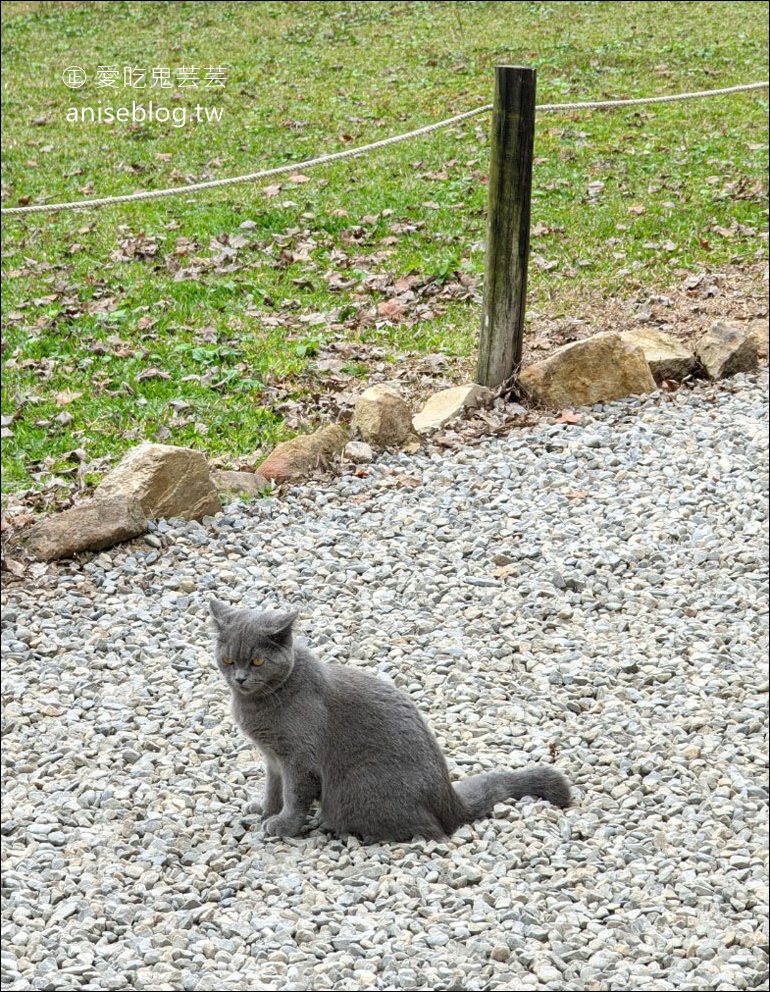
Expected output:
(252, 177)
(598, 104)
(361, 150)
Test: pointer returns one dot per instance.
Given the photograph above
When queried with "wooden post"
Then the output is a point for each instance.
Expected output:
(507, 246)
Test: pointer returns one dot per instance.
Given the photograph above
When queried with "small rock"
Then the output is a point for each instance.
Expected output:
(382, 418)
(89, 526)
(546, 973)
(359, 452)
(724, 351)
(758, 332)
(301, 456)
(444, 406)
(667, 357)
(240, 483)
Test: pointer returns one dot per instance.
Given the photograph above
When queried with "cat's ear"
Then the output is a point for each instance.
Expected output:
(221, 614)
(281, 632)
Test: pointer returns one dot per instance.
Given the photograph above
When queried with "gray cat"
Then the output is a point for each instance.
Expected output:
(350, 740)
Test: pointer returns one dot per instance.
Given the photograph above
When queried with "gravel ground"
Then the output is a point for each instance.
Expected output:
(594, 595)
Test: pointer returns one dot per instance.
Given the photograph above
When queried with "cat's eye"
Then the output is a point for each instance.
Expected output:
(257, 662)
(227, 661)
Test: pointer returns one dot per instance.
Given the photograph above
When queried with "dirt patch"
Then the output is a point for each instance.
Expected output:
(734, 295)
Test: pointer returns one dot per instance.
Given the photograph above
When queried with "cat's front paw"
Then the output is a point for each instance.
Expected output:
(264, 809)
(283, 826)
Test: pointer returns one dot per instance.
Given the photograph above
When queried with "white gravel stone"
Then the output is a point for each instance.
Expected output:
(591, 594)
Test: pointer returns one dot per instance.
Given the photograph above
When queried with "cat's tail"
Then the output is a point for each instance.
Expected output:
(479, 793)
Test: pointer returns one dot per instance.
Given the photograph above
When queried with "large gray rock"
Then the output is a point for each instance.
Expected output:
(167, 481)
(666, 355)
(447, 404)
(89, 526)
(601, 368)
(724, 351)
(382, 418)
(300, 457)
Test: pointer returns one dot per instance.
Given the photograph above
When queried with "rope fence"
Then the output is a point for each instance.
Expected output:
(363, 150)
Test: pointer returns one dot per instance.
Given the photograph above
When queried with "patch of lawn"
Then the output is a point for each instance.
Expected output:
(220, 319)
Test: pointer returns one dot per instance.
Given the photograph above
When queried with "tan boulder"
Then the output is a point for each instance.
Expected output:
(88, 526)
(724, 351)
(168, 482)
(601, 368)
(758, 331)
(666, 355)
(447, 404)
(382, 418)
(300, 457)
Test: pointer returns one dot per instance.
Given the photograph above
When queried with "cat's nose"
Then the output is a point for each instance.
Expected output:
(240, 677)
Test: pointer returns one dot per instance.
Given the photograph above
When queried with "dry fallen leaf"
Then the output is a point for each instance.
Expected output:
(544, 264)
(152, 373)
(391, 309)
(66, 396)
(568, 417)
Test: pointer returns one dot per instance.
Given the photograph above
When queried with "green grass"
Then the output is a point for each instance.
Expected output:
(144, 321)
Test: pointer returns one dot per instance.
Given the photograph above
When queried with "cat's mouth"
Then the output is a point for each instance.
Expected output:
(244, 689)
(260, 689)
